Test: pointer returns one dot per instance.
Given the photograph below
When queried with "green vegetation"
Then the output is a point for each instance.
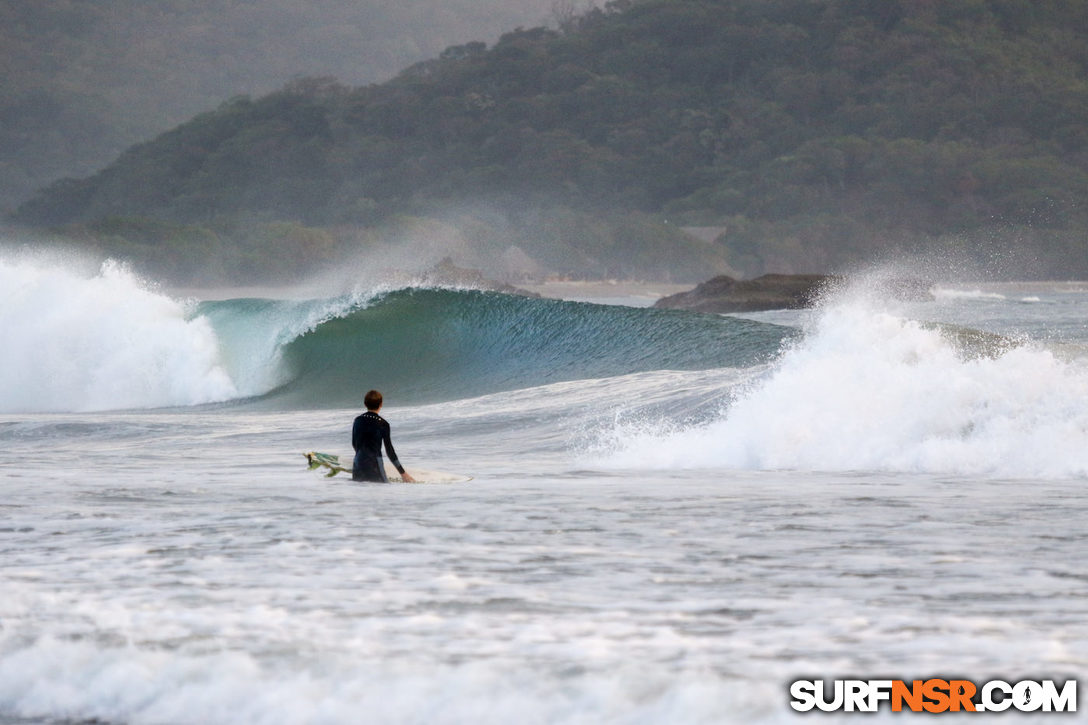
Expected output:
(83, 79)
(816, 133)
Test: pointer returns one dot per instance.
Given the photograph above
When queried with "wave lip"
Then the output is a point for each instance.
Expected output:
(254, 333)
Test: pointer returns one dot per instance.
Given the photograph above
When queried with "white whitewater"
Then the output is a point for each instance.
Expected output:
(77, 342)
(873, 501)
(868, 389)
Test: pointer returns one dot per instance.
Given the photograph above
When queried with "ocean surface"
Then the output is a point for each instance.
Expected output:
(671, 516)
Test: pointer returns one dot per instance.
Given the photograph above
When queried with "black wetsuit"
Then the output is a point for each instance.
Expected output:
(367, 435)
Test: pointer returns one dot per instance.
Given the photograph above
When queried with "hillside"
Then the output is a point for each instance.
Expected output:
(84, 80)
(813, 133)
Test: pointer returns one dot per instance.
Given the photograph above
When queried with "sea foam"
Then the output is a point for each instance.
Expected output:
(869, 389)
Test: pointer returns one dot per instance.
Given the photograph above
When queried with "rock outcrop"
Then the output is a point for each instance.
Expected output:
(782, 292)
(769, 292)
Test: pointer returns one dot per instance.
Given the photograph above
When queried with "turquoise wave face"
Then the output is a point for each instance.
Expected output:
(434, 345)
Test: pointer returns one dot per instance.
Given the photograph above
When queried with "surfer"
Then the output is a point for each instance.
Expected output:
(367, 435)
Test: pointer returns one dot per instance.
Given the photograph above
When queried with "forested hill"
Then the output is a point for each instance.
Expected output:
(812, 132)
(85, 79)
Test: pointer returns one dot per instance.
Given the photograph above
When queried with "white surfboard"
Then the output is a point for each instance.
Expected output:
(420, 475)
(331, 463)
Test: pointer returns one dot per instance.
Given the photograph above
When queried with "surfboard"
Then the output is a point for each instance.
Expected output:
(331, 463)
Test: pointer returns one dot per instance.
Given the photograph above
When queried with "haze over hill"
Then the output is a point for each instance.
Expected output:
(806, 135)
(83, 80)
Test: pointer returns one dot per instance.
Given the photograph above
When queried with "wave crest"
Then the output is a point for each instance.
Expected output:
(105, 341)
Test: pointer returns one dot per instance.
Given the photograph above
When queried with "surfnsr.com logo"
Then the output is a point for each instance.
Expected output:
(933, 695)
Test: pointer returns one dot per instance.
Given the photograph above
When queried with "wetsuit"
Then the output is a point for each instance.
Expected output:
(367, 435)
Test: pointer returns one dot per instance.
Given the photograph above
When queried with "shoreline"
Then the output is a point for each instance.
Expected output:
(634, 292)
(588, 290)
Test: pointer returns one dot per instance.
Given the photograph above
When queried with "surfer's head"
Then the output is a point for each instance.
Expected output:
(373, 400)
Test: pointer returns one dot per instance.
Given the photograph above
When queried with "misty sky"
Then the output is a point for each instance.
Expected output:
(85, 79)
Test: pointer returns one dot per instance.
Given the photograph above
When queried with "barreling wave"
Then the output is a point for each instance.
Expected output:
(108, 341)
(428, 345)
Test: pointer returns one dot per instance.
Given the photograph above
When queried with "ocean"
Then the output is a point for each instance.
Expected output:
(671, 517)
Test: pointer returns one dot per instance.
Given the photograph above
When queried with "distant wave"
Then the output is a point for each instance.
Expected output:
(943, 293)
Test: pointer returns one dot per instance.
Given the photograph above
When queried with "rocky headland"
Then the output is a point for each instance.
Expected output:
(769, 292)
(777, 292)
